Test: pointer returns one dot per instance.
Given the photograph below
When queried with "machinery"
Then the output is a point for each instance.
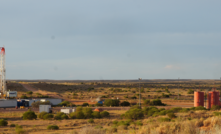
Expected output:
(3, 89)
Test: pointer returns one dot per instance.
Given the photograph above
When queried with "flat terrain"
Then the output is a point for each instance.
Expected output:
(80, 92)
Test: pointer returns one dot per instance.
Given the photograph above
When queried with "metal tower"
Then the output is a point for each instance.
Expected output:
(3, 88)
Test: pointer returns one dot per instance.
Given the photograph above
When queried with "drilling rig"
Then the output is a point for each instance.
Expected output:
(3, 88)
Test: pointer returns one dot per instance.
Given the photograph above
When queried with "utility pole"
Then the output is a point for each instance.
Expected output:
(139, 92)
(178, 89)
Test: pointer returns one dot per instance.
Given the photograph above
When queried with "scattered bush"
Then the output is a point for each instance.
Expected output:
(52, 127)
(98, 104)
(200, 108)
(90, 121)
(96, 114)
(111, 102)
(60, 116)
(217, 113)
(87, 112)
(85, 104)
(139, 123)
(41, 115)
(80, 115)
(164, 119)
(19, 130)
(29, 92)
(104, 114)
(125, 103)
(64, 103)
(48, 116)
(190, 91)
(215, 107)
(29, 115)
(3, 122)
(12, 125)
(171, 115)
(134, 114)
(24, 97)
(113, 130)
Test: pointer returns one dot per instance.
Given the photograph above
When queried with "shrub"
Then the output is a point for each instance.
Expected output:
(146, 102)
(73, 115)
(111, 102)
(176, 109)
(171, 115)
(134, 114)
(80, 115)
(12, 125)
(60, 115)
(37, 103)
(139, 123)
(124, 127)
(64, 103)
(215, 107)
(85, 104)
(217, 113)
(3, 122)
(113, 130)
(29, 92)
(98, 127)
(185, 110)
(199, 123)
(190, 91)
(41, 115)
(29, 115)
(125, 103)
(98, 104)
(157, 102)
(164, 119)
(90, 121)
(79, 108)
(19, 130)
(52, 127)
(87, 112)
(120, 123)
(24, 97)
(115, 122)
(200, 108)
(105, 114)
(96, 114)
(48, 116)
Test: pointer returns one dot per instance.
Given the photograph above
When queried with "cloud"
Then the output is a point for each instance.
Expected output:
(172, 67)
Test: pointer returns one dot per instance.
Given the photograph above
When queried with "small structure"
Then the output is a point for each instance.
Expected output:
(98, 110)
(68, 110)
(198, 99)
(45, 108)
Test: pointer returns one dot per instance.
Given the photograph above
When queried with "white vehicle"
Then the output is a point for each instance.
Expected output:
(12, 94)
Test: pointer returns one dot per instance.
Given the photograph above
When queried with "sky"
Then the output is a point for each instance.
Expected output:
(111, 40)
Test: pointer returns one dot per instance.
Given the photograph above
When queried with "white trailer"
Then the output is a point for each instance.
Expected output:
(8, 103)
(46, 108)
(68, 110)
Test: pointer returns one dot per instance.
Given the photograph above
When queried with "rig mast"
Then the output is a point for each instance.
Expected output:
(3, 88)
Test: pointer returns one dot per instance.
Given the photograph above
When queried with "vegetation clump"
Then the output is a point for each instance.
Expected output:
(52, 127)
(111, 102)
(60, 116)
(3, 122)
(29, 115)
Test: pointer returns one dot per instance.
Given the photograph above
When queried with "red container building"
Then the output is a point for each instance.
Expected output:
(214, 98)
(198, 99)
